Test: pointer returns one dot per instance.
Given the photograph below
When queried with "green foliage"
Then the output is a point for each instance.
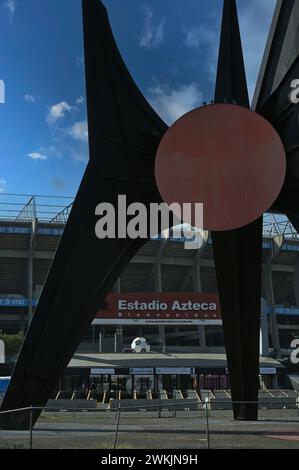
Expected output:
(12, 343)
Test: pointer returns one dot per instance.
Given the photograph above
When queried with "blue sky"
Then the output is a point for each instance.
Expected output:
(170, 47)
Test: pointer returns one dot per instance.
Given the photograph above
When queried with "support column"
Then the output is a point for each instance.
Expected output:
(158, 285)
(296, 282)
(197, 287)
(264, 335)
(120, 332)
(277, 242)
(30, 269)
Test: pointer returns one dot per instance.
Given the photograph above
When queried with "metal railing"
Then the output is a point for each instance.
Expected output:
(28, 213)
(278, 224)
(26, 208)
(56, 209)
(62, 216)
(175, 425)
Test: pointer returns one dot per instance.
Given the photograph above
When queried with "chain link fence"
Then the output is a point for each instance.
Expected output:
(170, 425)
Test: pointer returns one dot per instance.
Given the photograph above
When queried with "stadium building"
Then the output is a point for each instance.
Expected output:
(167, 294)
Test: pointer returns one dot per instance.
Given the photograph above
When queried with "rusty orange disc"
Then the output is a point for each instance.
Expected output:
(224, 156)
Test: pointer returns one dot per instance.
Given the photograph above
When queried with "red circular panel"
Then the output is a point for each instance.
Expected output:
(226, 157)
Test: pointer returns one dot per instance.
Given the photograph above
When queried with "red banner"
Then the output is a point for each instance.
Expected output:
(153, 307)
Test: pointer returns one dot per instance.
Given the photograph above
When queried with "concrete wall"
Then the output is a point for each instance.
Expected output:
(153, 405)
(72, 404)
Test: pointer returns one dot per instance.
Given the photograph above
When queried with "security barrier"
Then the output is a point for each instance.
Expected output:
(163, 425)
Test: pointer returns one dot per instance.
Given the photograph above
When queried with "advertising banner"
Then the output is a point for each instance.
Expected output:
(160, 308)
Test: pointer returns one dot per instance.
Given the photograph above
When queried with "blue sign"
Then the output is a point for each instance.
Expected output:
(174, 238)
(27, 231)
(50, 231)
(4, 382)
(15, 230)
(16, 302)
(284, 311)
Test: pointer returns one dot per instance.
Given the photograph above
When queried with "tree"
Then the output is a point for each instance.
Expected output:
(12, 343)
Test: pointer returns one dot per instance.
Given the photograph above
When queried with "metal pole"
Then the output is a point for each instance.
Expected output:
(174, 404)
(30, 427)
(207, 422)
(277, 242)
(159, 402)
(115, 342)
(100, 342)
(116, 426)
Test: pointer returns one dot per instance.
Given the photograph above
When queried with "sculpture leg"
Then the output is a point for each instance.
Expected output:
(237, 255)
(84, 270)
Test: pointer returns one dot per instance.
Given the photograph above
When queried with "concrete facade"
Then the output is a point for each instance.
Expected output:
(28, 245)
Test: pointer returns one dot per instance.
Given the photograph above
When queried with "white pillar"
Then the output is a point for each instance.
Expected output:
(2, 352)
(264, 338)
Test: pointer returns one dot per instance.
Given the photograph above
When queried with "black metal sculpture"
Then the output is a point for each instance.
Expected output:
(124, 133)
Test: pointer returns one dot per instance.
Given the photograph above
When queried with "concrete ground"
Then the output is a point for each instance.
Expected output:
(146, 430)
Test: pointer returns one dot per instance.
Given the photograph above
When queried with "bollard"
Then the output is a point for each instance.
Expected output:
(207, 422)
(159, 404)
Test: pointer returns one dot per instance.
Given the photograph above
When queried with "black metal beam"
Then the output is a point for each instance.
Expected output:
(284, 117)
(280, 66)
(124, 133)
(238, 253)
(281, 50)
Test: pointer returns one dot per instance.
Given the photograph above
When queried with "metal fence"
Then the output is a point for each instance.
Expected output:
(170, 425)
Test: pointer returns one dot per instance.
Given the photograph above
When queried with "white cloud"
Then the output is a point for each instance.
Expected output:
(152, 34)
(30, 99)
(200, 36)
(79, 131)
(80, 156)
(206, 39)
(170, 103)
(255, 20)
(37, 156)
(11, 6)
(68, 142)
(80, 100)
(193, 38)
(51, 151)
(2, 185)
(58, 111)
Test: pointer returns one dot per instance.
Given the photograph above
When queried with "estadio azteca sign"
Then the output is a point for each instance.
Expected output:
(160, 308)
